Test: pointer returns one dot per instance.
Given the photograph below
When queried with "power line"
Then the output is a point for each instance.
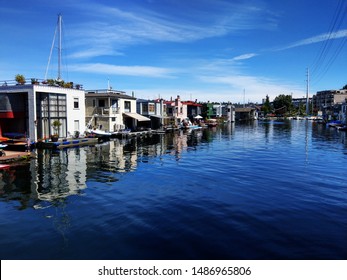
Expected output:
(328, 54)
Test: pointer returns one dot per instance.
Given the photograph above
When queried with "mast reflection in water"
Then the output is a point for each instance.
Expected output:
(272, 190)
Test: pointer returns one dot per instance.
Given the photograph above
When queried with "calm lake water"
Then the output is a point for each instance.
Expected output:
(265, 190)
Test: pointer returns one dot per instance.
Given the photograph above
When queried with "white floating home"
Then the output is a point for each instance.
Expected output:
(30, 110)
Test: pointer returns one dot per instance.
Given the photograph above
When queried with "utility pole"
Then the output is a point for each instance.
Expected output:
(244, 97)
(307, 91)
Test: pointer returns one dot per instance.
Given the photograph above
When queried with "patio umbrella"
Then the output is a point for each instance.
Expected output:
(198, 117)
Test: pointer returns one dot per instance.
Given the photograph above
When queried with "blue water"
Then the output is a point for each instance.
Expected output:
(273, 190)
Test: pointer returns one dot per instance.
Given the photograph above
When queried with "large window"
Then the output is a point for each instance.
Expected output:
(51, 107)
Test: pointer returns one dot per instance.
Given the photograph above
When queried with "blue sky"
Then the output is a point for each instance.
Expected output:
(216, 50)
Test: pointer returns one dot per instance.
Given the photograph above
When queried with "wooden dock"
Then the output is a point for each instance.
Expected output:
(12, 156)
(67, 143)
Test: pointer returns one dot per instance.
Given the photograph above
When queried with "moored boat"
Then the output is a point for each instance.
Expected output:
(342, 128)
(211, 122)
(334, 124)
(187, 124)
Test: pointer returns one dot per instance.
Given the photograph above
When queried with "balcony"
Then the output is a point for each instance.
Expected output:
(103, 111)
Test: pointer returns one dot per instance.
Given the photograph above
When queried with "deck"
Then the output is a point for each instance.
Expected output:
(12, 156)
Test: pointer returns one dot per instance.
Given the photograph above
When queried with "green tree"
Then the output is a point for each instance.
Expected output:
(283, 103)
(266, 106)
(345, 87)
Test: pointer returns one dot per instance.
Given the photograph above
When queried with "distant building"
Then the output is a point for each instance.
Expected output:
(31, 109)
(246, 114)
(155, 110)
(193, 109)
(329, 98)
(176, 109)
(219, 110)
(298, 102)
(207, 110)
(343, 113)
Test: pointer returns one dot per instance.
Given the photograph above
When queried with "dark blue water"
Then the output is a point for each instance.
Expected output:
(272, 190)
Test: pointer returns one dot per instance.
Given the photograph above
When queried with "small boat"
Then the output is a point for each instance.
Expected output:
(334, 124)
(342, 128)
(211, 122)
(99, 132)
(192, 127)
(4, 166)
(187, 124)
(2, 152)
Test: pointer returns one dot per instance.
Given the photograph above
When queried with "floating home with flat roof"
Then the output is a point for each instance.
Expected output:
(112, 110)
(31, 109)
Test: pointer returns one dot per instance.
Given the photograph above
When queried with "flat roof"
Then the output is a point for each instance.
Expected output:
(107, 93)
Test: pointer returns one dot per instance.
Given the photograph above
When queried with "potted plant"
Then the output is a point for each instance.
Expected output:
(50, 82)
(34, 81)
(20, 79)
(76, 134)
(56, 124)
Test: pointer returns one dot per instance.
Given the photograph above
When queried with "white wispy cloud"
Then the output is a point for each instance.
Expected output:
(111, 29)
(223, 80)
(139, 71)
(316, 39)
(245, 56)
(255, 87)
(229, 77)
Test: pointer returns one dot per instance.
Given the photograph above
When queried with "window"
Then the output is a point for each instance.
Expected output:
(151, 108)
(76, 125)
(75, 103)
(127, 106)
(101, 103)
(114, 103)
(144, 108)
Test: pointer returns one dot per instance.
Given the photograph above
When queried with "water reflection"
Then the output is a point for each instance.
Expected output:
(54, 175)
(59, 174)
(133, 195)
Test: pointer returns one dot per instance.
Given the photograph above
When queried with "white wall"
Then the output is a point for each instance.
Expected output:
(72, 113)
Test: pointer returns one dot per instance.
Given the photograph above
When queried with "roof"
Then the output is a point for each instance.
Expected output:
(137, 116)
(191, 103)
(241, 110)
(107, 93)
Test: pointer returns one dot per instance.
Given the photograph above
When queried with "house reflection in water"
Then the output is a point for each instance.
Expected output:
(60, 174)
(52, 176)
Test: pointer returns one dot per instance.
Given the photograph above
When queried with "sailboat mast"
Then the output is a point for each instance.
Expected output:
(59, 47)
(307, 92)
